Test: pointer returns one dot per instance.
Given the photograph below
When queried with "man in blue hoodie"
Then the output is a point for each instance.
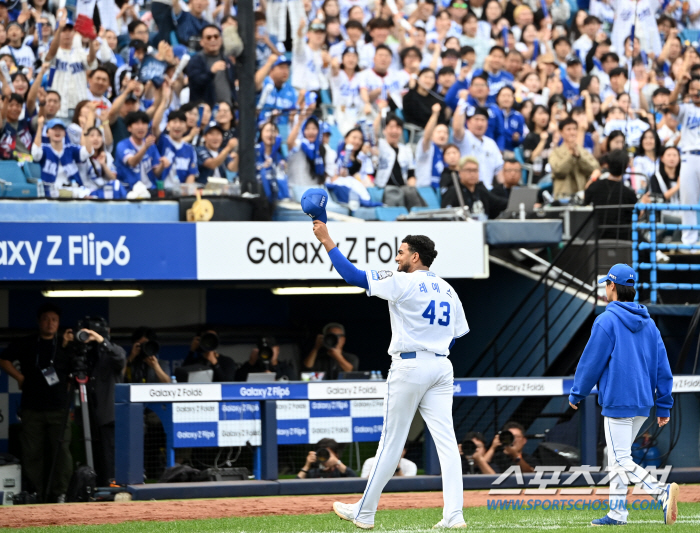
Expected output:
(626, 358)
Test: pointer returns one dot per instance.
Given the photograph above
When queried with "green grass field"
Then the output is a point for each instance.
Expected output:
(410, 521)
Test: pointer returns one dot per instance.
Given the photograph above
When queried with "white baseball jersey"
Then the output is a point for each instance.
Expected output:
(70, 76)
(426, 314)
(23, 56)
(689, 122)
(486, 151)
(633, 129)
(646, 29)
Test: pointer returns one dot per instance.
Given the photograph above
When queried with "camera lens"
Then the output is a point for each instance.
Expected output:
(506, 438)
(82, 336)
(209, 342)
(150, 348)
(468, 447)
(322, 455)
(330, 340)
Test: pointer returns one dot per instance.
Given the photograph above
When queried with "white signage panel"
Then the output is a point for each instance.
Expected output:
(346, 390)
(289, 250)
(175, 392)
(292, 409)
(519, 387)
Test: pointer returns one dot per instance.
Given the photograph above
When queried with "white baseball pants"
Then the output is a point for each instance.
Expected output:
(619, 436)
(424, 383)
(690, 194)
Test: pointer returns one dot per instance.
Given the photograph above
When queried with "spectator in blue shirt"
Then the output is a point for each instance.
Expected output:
(213, 158)
(497, 77)
(513, 121)
(189, 24)
(572, 80)
(181, 154)
(277, 96)
(137, 157)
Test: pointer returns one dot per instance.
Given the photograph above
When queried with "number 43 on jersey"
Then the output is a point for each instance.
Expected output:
(429, 313)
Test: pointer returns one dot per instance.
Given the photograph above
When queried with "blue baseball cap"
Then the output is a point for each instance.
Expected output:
(314, 202)
(54, 122)
(620, 274)
(282, 60)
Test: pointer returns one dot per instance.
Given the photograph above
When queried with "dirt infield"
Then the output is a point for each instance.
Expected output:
(164, 511)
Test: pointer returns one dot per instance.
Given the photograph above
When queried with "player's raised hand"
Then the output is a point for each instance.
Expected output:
(321, 231)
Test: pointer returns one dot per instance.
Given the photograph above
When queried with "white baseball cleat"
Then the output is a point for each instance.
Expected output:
(346, 512)
(669, 500)
(442, 524)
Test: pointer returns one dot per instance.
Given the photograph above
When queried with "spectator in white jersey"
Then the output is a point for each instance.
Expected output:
(22, 54)
(71, 64)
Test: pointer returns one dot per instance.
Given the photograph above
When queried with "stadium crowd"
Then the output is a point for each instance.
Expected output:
(127, 98)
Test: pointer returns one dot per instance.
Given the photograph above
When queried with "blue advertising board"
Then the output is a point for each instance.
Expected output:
(77, 252)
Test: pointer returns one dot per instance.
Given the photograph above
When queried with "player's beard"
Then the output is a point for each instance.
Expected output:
(402, 268)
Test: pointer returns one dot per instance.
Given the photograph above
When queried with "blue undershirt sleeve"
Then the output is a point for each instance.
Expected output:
(349, 272)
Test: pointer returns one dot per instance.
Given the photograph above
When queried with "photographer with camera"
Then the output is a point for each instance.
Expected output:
(473, 450)
(41, 367)
(324, 462)
(203, 352)
(103, 362)
(507, 450)
(142, 365)
(327, 355)
(265, 358)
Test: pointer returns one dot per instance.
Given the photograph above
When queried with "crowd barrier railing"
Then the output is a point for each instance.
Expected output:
(265, 415)
(650, 231)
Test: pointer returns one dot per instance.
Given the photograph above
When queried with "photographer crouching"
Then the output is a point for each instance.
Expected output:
(265, 358)
(103, 362)
(324, 462)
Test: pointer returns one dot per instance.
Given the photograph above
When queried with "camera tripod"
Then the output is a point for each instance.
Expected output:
(78, 387)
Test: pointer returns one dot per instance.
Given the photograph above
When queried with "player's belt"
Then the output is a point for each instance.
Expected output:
(412, 355)
(691, 152)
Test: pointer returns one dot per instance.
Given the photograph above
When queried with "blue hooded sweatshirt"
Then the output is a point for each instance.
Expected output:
(626, 357)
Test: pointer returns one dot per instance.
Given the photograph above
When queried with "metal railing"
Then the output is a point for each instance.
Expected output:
(652, 227)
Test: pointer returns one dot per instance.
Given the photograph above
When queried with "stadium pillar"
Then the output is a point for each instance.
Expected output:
(128, 445)
(589, 431)
(246, 97)
(268, 450)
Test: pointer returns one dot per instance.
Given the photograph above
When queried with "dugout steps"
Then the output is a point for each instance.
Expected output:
(305, 487)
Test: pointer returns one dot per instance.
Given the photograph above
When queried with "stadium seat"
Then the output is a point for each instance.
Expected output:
(32, 172)
(326, 96)
(18, 186)
(428, 194)
(692, 36)
(390, 214)
(376, 193)
(365, 213)
(416, 209)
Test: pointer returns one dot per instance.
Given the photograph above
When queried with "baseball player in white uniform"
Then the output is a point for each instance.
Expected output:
(426, 318)
(689, 120)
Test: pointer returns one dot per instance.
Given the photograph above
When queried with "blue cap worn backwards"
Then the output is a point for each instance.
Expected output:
(620, 274)
(314, 202)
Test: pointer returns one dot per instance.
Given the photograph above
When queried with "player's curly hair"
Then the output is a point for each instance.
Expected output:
(422, 245)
